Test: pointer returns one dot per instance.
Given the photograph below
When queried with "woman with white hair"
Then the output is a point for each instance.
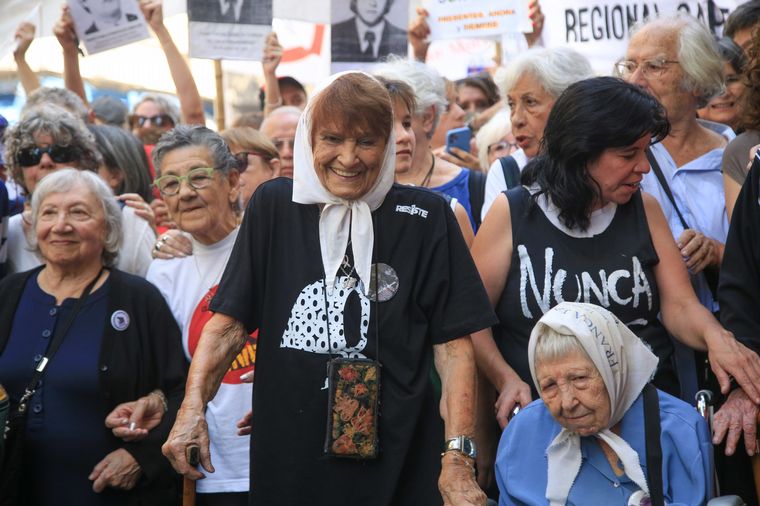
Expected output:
(429, 170)
(591, 436)
(79, 338)
(531, 84)
(495, 140)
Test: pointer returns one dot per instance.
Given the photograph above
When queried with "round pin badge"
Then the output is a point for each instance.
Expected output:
(387, 286)
(120, 320)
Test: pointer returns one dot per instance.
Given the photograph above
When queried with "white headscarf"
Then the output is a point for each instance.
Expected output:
(626, 366)
(340, 217)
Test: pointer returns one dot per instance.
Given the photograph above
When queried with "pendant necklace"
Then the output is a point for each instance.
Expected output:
(349, 282)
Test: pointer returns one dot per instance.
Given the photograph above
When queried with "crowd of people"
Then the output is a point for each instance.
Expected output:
(329, 304)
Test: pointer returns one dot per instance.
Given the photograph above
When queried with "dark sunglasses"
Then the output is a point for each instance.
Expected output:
(159, 120)
(242, 158)
(28, 157)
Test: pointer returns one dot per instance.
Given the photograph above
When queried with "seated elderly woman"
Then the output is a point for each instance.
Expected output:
(200, 185)
(591, 436)
(106, 338)
(364, 271)
(581, 230)
(47, 139)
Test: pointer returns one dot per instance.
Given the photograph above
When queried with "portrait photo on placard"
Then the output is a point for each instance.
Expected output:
(106, 24)
(368, 30)
(247, 12)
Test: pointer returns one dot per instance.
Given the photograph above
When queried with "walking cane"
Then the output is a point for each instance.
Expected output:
(192, 453)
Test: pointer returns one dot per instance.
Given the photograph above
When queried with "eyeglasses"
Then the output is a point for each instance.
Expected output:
(649, 68)
(198, 179)
(280, 143)
(159, 120)
(502, 145)
(29, 157)
(242, 158)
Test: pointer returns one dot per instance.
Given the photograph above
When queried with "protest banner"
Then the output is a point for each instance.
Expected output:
(474, 19)
(600, 29)
(228, 29)
(365, 31)
(103, 25)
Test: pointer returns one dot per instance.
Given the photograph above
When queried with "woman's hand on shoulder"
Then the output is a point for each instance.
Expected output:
(142, 208)
(118, 469)
(457, 481)
(172, 244)
(513, 393)
(131, 421)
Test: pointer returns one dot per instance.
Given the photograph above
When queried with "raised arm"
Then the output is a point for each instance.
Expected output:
(688, 320)
(222, 338)
(190, 101)
(492, 251)
(24, 37)
(269, 62)
(455, 364)
(67, 38)
(418, 33)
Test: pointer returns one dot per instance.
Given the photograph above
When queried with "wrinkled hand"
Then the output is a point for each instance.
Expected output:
(145, 413)
(190, 428)
(457, 482)
(161, 210)
(172, 244)
(419, 31)
(730, 357)
(458, 157)
(117, 470)
(737, 414)
(272, 54)
(154, 13)
(245, 424)
(64, 31)
(698, 250)
(513, 392)
(142, 208)
(24, 35)
(537, 19)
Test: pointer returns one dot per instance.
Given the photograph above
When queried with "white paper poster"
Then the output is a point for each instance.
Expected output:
(474, 19)
(106, 24)
(311, 11)
(366, 31)
(600, 29)
(228, 29)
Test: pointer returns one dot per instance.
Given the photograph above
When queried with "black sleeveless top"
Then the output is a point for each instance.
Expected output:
(613, 269)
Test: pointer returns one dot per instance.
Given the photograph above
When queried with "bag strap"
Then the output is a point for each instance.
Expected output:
(55, 343)
(653, 448)
(665, 186)
(476, 185)
(511, 171)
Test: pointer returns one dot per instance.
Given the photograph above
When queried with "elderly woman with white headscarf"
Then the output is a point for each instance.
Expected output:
(356, 286)
(592, 438)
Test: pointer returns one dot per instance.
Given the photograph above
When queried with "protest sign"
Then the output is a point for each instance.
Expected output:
(366, 31)
(313, 11)
(600, 29)
(14, 13)
(106, 24)
(473, 19)
(228, 29)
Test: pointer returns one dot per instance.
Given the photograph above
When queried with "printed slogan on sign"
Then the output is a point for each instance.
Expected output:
(463, 19)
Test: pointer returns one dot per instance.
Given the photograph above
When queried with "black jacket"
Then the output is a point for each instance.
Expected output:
(146, 355)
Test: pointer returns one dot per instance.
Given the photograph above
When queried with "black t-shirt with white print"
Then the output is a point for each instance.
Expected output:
(274, 282)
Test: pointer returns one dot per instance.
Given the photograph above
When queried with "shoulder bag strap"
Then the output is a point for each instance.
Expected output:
(653, 448)
(476, 185)
(665, 186)
(511, 171)
(55, 343)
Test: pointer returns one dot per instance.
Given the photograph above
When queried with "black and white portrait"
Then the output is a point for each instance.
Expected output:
(108, 14)
(369, 33)
(248, 12)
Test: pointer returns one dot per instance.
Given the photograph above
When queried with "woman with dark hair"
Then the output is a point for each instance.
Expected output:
(737, 154)
(125, 165)
(580, 230)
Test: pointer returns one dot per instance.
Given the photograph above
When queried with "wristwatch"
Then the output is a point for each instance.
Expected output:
(462, 444)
